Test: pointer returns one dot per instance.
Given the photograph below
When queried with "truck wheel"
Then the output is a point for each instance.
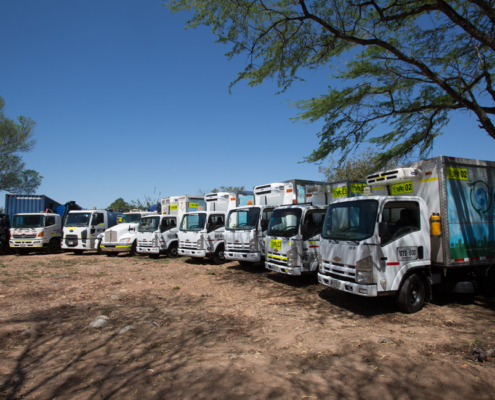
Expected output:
(99, 249)
(219, 257)
(5, 247)
(78, 252)
(53, 246)
(173, 251)
(412, 294)
(133, 249)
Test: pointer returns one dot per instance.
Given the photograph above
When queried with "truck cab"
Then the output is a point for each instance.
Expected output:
(246, 226)
(201, 234)
(122, 238)
(83, 230)
(418, 226)
(158, 233)
(293, 236)
(36, 232)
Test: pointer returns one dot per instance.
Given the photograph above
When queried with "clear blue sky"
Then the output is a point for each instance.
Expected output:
(126, 101)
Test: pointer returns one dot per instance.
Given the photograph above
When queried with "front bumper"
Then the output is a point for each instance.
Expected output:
(69, 244)
(284, 269)
(242, 256)
(350, 287)
(116, 248)
(26, 244)
(192, 252)
(148, 250)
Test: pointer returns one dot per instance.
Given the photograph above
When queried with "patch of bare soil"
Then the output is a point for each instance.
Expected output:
(200, 331)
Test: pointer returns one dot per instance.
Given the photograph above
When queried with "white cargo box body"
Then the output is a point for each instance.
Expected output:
(462, 192)
(179, 205)
(324, 194)
(287, 192)
(226, 201)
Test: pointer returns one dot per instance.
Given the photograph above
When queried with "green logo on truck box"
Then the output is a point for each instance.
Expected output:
(401, 188)
(457, 173)
(339, 192)
(357, 187)
(173, 207)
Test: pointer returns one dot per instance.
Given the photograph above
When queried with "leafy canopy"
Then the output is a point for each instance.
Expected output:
(120, 204)
(406, 64)
(15, 138)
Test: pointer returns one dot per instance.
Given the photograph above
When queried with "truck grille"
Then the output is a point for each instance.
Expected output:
(71, 240)
(24, 236)
(145, 243)
(110, 237)
(237, 246)
(339, 271)
(277, 259)
(188, 245)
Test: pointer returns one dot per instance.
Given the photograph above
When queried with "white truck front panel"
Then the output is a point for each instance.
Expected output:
(35, 230)
(201, 233)
(122, 237)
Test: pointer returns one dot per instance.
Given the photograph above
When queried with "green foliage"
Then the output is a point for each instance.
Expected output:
(120, 204)
(15, 138)
(359, 166)
(147, 201)
(407, 65)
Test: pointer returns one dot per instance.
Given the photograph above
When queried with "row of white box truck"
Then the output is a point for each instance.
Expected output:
(399, 232)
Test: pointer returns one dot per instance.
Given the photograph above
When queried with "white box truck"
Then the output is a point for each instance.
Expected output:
(36, 232)
(158, 233)
(122, 238)
(246, 226)
(293, 236)
(427, 223)
(82, 229)
(201, 233)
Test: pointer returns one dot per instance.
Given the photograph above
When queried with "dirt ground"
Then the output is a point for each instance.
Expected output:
(201, 331)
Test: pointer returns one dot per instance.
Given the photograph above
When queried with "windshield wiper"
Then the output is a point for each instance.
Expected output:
(351, 240)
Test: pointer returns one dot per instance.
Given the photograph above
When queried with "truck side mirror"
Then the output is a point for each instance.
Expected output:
(208, 226)
(264, 224)
(304, 227)
(382, 229)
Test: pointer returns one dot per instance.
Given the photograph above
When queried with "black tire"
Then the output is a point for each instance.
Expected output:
(173, 251)
(5, 247)
(154, 256)
(246, 264)
(78, 252)
(22, 252)
(219, 256)
(132, 253)
(99, 250)
(53, 246)
(411, 295)
(109, 254)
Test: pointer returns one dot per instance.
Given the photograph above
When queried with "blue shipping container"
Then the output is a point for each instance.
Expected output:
(28, 203)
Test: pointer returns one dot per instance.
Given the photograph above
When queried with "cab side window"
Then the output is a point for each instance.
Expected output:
(313, 222)
(402, 218)
(265, 218)
(216, 221)
(98, 219)
(50, 221)
(167, 224)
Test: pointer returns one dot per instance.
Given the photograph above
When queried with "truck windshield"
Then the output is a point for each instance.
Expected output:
(284, 222)
(27, 221)
(352, 220)
(77, 219)
(193, 222)
(131, 218)
(149, 224)
(246, 218)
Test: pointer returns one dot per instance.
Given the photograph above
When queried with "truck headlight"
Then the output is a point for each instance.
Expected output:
(125, 240)
(253, 245)
(41, 234)
(199, 244)
(292, 254)
(364, 270)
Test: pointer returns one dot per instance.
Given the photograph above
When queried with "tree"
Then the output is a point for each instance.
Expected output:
(359, 167)
(227, 189)
(120, 204)
(147, 201)
(406, 64)
(15, 138)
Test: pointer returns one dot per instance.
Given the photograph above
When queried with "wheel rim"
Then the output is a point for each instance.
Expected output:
(173, 252)
(414, 296)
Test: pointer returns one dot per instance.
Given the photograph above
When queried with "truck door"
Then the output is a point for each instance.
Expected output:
(97, 224)
(265, 219)
(405, 241)
(312, 225)
(169, 230)
(51, 228)
(216, 228)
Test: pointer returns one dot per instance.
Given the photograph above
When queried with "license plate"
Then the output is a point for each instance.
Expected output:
(109, 249)
(23, 245)
(335, 284)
